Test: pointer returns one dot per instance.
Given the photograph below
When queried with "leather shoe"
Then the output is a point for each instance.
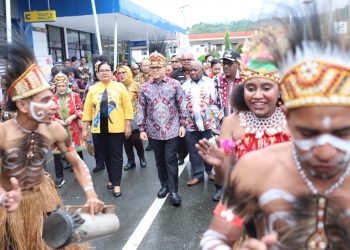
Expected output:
(98, 169)
(193, 182)
(162, 192)
(211, 177)
(129, 166)
(217, 194)
(110, 186)
(117, 193)
(180, 162)
(175, 199)
(142, 163)
(148, 147)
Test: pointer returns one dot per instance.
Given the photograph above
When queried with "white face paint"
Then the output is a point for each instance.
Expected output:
(308, 144)
(326, 122)
(43, 110)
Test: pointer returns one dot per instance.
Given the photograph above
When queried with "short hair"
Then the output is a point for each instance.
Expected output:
(73, 58)
(102, 63)
(83, 57)
(206, 57)
(174, 56)
(214, 61)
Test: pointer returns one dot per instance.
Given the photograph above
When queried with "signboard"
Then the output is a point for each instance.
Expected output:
(138, 43)
(183, 42)
(40, 16)
(45, 63)
(341, 27)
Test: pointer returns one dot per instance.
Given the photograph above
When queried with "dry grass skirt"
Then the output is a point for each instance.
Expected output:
(22, 229)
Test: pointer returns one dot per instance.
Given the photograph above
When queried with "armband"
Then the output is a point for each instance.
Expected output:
(229, 216)
(71, 148)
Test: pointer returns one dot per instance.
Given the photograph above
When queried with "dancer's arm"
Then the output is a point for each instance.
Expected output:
(11, 199)
(80, 169)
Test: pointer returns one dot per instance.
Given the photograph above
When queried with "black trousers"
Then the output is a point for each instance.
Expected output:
(165, 152)
(182, 148)
(134, 141)
(197, 164)
(59, 165)
(100, 163)
(110, 146)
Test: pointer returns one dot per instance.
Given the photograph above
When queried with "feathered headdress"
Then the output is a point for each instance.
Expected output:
(312, 56)
(256, 60)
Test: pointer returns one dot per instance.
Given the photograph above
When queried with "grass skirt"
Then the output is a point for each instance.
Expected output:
(22, 229)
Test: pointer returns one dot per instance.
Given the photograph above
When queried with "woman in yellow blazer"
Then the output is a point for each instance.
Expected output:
(108, 110)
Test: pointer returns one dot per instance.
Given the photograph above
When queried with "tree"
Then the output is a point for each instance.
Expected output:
(157, 43)
(227, 41)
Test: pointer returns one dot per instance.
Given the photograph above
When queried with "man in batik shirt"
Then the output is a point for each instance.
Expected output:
(161, 120)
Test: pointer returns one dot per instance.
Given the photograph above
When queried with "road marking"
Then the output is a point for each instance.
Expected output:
(147, 220)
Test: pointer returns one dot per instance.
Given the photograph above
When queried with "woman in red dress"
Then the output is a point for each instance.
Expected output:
(68, 112)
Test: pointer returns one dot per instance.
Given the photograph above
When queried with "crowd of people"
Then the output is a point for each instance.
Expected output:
(267, 126)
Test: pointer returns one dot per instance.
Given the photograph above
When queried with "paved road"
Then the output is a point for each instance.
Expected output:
(172, 228)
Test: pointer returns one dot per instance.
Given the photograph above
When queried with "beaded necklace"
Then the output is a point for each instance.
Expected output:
(30, 151)
(318, 240)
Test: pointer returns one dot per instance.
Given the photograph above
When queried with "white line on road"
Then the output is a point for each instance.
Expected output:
(147, 220)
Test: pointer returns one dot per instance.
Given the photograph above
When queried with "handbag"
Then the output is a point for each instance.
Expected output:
(80, 122)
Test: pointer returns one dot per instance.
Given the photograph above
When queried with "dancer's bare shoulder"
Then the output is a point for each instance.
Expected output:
(257, 166)
(54, 132)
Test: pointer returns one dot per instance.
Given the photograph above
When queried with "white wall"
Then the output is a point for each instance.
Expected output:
(40, 43)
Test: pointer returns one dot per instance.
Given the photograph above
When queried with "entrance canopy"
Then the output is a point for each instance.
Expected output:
(134, 22)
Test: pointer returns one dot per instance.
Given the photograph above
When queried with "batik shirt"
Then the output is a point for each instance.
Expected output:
(224, 89)
(200, 104)
(159, 109)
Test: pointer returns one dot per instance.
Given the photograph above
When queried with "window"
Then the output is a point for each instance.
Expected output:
(73, 43)
(55, 38)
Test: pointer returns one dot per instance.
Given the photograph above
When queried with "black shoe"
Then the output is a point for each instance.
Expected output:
(217, 194)
(162, 192)
(180, 162)
(59, 182)
(98, 169)
(175, 199)
(110, 186)
(129, 166)
(142, 163)
(117, 194)
(67, 166)
(148, 148)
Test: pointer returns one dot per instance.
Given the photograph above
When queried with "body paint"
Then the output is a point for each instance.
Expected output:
(40, 115)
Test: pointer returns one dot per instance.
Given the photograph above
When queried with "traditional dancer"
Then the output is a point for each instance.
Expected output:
(258, 121)
(25, 141)
(298, 189)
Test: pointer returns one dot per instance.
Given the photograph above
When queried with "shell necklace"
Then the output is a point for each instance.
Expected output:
(259, 126)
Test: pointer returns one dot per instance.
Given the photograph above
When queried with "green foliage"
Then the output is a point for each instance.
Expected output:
(239, 48)
(201, 58)
(208, 28)
(215, 54)
(227, 41)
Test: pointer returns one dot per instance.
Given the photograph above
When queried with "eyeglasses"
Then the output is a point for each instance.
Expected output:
(174, 61)
(156, 68)
(121, 73)
(187, 59)
(135, 68)
(104, 70)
